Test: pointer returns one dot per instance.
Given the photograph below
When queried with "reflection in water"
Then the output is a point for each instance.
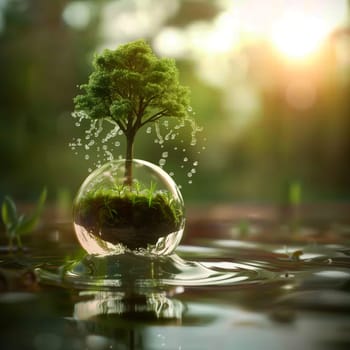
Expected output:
(137, 307)
(110, 320)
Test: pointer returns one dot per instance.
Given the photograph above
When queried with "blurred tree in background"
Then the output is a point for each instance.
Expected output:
(41, 61)
(270, 84)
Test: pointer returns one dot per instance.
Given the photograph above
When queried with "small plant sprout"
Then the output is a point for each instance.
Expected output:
(18, 225)
(295, 199)
(130, 88)
(151, 192)
(294, 194)
(244, 228)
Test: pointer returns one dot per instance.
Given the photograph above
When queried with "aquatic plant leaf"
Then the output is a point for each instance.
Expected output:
(28, 224)
(9, 214)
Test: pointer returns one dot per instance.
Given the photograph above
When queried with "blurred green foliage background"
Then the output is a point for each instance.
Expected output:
(270, 83)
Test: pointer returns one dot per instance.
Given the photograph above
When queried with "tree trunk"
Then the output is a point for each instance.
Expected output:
(128, 160)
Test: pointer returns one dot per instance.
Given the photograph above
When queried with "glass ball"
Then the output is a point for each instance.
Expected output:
(129, 206)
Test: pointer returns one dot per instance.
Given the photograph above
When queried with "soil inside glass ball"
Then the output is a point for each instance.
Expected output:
(112, 217)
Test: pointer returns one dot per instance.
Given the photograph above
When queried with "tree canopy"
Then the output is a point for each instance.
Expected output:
(132, 87)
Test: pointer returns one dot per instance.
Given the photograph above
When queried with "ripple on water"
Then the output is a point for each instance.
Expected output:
(140, 271)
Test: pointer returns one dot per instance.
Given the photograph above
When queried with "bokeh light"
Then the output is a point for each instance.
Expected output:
(77, 14)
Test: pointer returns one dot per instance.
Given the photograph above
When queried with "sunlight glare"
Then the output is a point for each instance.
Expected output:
(224, 34)
(297, 36)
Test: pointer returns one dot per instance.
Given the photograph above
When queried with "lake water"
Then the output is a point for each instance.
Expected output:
(233, 284)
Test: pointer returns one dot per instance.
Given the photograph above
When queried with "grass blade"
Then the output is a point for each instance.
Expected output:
(29, 224)
(9, 213)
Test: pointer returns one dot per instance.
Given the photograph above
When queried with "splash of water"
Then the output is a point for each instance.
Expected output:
(167, 133)
(97, 132)
(103, 138)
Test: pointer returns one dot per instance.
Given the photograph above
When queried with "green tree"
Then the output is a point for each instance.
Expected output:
(132, 87)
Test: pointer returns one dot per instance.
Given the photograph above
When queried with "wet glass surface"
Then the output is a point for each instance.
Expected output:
(229, 286)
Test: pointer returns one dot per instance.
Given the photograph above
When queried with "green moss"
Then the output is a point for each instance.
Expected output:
(135, 218)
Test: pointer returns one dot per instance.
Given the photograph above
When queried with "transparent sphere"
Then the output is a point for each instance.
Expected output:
(129, 206)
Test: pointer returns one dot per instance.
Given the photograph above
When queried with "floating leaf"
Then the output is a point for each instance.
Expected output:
(296, 255)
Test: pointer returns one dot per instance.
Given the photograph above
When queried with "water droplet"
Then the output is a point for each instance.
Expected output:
(87, 156)
(190, 181)
(195, 163)
(77, 124)
(167, 136)
(189, 174)
(99, 132)
(159, 136)
(109, 155)
(89, 170)
(171, 173)
(162, 162)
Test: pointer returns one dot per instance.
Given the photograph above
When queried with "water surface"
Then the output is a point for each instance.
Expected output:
(225, 288)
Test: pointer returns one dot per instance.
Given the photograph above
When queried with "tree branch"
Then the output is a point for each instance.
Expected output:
(146, 103)
(154, 117)
(120, 123)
